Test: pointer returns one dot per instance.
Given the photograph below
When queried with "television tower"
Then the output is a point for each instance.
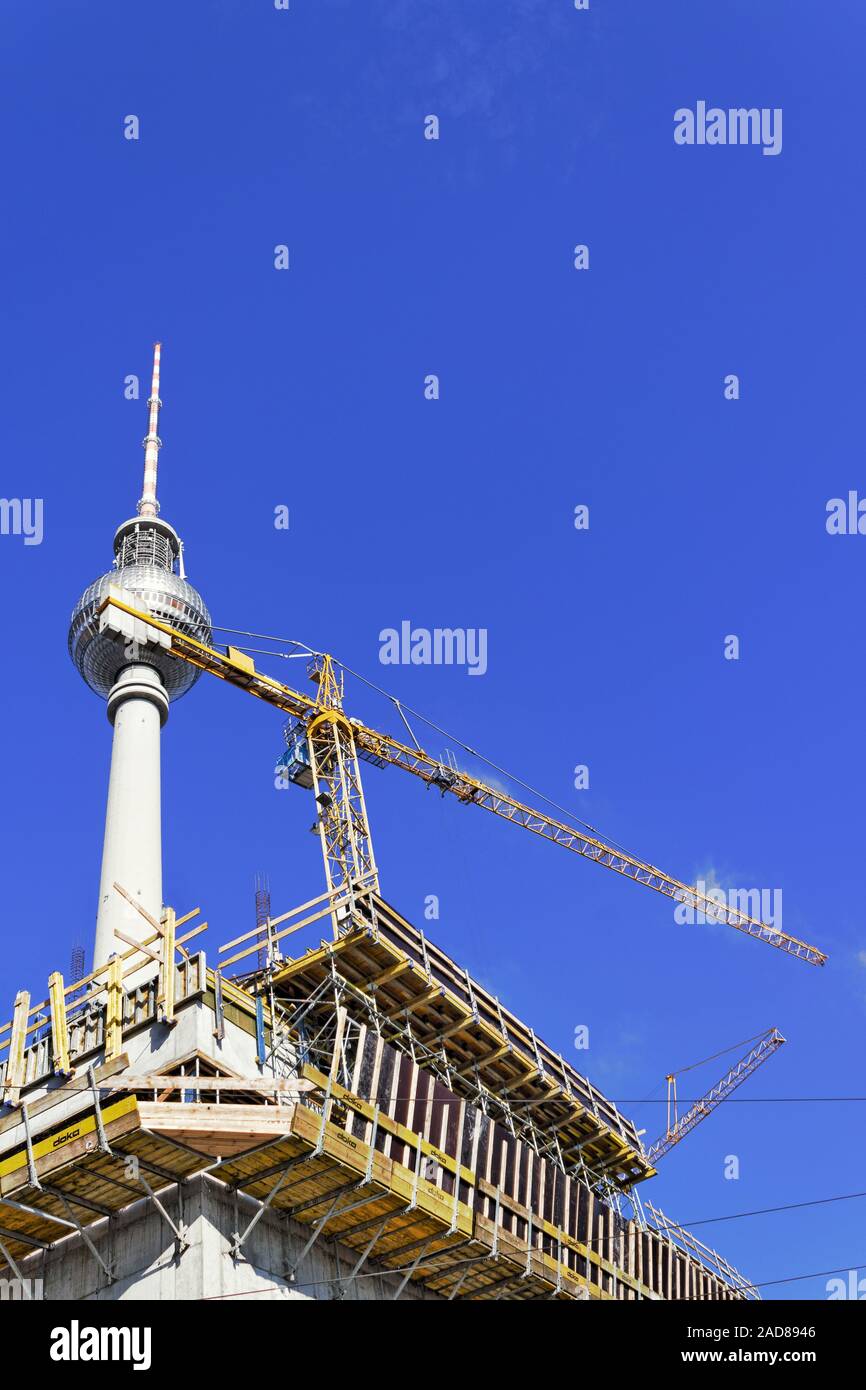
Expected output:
(139, 681)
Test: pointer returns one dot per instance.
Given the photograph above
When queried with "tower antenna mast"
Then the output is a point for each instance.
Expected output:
(148, 505)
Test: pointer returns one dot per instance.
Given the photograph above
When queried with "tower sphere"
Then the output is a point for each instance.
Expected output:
(146, 550)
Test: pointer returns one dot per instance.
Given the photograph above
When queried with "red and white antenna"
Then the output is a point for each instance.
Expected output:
(148, 505)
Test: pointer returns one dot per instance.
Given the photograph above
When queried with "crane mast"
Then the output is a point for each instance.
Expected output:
(344, 831)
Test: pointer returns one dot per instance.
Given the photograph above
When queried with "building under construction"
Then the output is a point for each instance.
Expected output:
(351, 1117)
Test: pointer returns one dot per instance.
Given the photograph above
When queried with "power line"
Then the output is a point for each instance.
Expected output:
(379, 1274)
(739, 1100)
(83, 1084)
(818, 1274)
(765, 1211)
(692, 1066)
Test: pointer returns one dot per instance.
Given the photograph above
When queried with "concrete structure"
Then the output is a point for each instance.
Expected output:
(146, 1263)
(200, 1154)
(175, 1241)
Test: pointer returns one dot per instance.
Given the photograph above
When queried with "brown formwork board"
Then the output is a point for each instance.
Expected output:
(469, 1176)
(410, 1144)
(439, 1018)
(471, 1041)
(316, 1163)
(403, 935)
(336, 1167)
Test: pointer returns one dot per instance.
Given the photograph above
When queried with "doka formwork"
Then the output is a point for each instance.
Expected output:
(326, 1172)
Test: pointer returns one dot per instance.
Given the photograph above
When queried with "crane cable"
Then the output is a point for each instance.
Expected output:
(400, 707)
(732, 1048)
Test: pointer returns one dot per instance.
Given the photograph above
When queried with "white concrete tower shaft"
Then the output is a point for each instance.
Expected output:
(132, 847)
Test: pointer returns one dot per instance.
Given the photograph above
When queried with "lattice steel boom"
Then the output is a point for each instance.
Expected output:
(677, 1129)
(335, 742)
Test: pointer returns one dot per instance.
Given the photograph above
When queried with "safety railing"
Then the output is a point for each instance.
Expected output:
(43, 1039)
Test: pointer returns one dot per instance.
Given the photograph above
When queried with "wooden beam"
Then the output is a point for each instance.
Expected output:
(133, 902)
(139, 946)
(152, 1081)
(390, 974)
(324, 953)
(114, 1009)
(59, 1027)
(14, 1078)
(167, 972)
(486, 1061)
(458, 1027)
(411, 1005)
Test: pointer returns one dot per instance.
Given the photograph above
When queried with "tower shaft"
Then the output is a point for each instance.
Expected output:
(132, 847)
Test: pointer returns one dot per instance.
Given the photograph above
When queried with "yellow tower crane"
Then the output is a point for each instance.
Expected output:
(325, 746)
(765, 1044)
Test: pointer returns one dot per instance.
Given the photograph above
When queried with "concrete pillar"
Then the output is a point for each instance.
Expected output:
(132, 848)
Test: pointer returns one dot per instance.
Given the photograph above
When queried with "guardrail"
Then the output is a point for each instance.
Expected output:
(42, 1040)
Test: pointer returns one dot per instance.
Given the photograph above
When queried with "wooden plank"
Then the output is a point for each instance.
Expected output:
(459, 1027)
(266, 1085)
(139, 946)
(15, 1062)
(59, 1027)
(262, 936)
(328, 894)
(114, 1009)
(324, 954)
(61, 1094)
(216, 1131)
(418, 1002)
(393, 1127)
(67, 1145)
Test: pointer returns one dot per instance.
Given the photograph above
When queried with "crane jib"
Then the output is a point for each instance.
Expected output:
(237, 668)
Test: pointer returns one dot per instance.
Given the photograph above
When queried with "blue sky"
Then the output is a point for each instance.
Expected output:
(605, 647)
